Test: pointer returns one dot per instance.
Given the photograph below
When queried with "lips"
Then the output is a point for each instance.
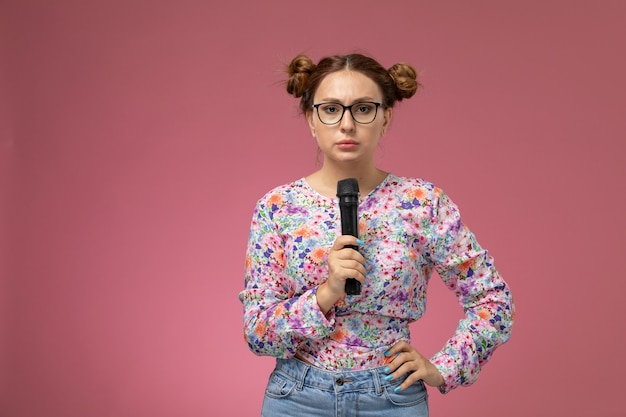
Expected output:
(347, 143)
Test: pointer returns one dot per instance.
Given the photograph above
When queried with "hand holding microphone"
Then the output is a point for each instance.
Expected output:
(344, 263)
(348, 193)
(346, 266)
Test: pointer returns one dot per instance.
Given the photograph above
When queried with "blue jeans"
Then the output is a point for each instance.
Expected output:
(298, 389)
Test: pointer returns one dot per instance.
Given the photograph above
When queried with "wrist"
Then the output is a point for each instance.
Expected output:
(436, 379)
(325, 298)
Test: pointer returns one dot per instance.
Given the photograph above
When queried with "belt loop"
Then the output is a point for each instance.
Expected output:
(377, 384)
(303, 375)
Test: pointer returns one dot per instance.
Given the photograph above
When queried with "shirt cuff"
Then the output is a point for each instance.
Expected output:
(447, 368)
(328, 317)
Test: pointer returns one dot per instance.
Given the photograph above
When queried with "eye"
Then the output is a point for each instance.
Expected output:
(330, 108)
(364, 108)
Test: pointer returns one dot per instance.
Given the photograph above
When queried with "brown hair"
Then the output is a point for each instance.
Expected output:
(396, 83)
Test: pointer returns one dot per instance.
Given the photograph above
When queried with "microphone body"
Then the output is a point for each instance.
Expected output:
(348, 193)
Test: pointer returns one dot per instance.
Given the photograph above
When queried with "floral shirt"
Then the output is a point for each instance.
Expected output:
(409, 228)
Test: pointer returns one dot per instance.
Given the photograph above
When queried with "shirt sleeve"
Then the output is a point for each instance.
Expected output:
(468, 270)
(277, 320)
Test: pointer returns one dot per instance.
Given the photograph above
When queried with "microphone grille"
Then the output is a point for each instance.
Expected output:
(348, 186)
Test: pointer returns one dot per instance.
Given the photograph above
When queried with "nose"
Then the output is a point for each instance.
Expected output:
(347, 123)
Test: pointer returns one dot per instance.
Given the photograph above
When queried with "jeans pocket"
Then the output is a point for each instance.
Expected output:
(413, 395)
(279, 386)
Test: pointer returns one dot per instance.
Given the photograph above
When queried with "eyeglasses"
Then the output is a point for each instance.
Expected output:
(332, 113)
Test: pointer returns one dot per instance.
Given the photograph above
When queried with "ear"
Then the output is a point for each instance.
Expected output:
(309, 119)
(387, 119)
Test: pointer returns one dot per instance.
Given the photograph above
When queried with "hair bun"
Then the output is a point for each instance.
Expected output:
(299, 70)
(405, 77)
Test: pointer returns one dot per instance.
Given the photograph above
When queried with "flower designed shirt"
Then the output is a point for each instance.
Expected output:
(409, 228)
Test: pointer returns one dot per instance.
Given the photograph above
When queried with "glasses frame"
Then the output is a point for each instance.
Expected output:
(316, 107)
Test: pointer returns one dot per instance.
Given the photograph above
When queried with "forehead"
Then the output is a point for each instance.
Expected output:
(347, 85)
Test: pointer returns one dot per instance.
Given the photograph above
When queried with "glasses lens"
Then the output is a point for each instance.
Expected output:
(330, 113)
(364, 112)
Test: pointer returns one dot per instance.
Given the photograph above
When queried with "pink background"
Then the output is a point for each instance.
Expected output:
(136, 136)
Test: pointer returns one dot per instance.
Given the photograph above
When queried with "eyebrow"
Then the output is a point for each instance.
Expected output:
(336, 100)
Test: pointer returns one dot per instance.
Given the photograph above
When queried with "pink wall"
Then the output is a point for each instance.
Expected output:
(135, 137)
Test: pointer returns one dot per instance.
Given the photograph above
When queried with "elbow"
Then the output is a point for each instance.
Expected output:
(251, 332)
(256, 346)
(258, 338)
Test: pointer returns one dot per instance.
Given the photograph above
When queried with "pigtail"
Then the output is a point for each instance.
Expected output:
(299, 70)
(405, 78)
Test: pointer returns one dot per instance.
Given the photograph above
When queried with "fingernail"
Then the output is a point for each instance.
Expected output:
(388, 353)
(386, 370)
(398, 388)
(388, 377)
(360, 242)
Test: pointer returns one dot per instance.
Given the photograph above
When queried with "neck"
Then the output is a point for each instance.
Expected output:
(325, 180)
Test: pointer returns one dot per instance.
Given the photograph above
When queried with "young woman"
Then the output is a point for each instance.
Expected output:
(340, 354)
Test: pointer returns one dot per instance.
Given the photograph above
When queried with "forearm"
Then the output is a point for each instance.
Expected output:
(277, 328)
(487, 325)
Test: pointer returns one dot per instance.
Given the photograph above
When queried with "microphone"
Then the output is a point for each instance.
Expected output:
(348, 193)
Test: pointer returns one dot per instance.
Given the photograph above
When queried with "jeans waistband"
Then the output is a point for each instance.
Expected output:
(338, 381)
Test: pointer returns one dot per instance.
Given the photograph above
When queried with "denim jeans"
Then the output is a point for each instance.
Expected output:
(298, 389)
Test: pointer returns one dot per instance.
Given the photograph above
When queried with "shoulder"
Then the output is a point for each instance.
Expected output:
(414, 192)
(412, 186)
(281, 194)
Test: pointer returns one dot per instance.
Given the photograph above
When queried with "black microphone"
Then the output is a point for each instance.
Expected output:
(348, 193)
